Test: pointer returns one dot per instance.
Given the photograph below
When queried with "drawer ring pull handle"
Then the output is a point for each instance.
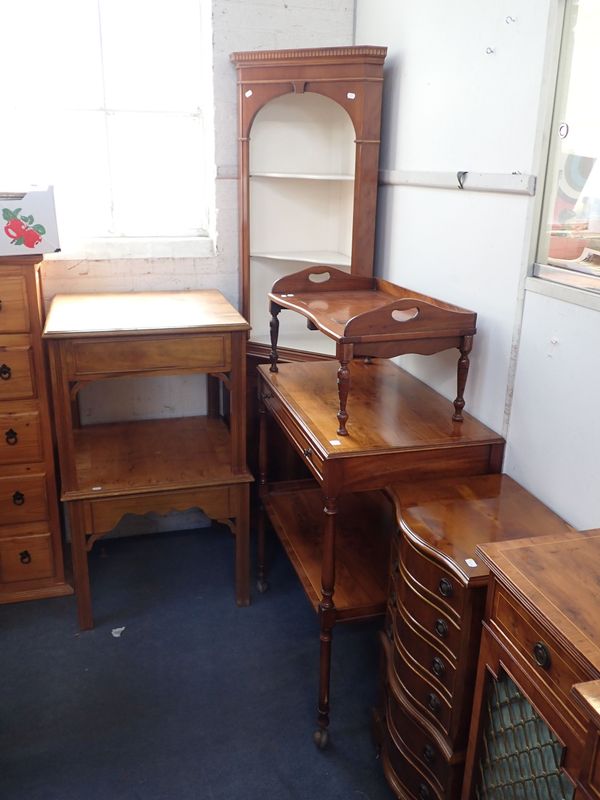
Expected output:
(429, 754)
(441, 628)
(541, 655)
(307, 452)
(5, 372)
(446, 588)
(11, 437)
(433, 702)
(18, 498)
(424, 793)
(438, 667)
(25, 557)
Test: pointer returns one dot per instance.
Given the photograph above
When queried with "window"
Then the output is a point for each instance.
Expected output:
(569, 244)
(105, 100)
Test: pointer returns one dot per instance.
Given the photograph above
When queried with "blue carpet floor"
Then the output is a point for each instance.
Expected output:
(195, 700)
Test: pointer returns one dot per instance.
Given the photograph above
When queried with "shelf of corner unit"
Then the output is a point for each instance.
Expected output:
(304, 176)
(332, 257)
(295, 510)
(371, 318)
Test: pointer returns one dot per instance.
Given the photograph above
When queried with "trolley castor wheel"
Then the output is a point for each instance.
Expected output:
(262, 585)
(321, 738)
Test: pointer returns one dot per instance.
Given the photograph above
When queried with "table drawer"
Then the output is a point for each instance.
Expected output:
(424, 694)
(302, 445)
(441, 668)
(551, 663)
(23, 498)
(407, 778)
(416, 741)
(20, 438)
(16, 368)
(14, 311)
(444, 588)
(26, 558)
(438, 627)
(216, 503)
(149, 354)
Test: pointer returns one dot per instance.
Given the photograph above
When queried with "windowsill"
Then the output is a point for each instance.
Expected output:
(136, 247)
(561, 287)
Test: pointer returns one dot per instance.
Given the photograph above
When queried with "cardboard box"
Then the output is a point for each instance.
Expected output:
(28, 222)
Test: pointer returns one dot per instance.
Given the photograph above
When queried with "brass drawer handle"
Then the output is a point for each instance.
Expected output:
(433, 702)
(11, 436)
(424, 793)
(307, 452)
(446, 588)
(541, 655)
(429, 754)
(438, 667)
(5, 372)
(25, 557)
(18, 498)
(441, 628)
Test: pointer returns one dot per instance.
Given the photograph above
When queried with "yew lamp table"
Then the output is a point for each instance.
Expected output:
(156, 465)
(372, 318)
(336, 529)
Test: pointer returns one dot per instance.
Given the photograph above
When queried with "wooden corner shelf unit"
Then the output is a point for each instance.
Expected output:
(157, 465)
(370, 318)
(309, 126)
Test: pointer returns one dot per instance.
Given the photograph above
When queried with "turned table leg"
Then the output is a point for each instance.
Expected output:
(261, 582)
(343, 382)
(461, 377)
(327, 620)
(242, 546)
(274, 332)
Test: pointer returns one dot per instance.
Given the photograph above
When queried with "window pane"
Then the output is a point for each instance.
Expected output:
(570, 235)
(50, 55)
(157, 174)
(152, 55)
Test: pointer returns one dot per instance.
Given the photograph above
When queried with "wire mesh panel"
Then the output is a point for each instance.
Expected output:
(520, 756)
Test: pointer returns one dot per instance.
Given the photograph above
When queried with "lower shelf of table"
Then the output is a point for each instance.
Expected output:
(150, 455)
(365, 524)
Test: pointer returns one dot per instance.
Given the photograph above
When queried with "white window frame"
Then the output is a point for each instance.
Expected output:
(557, 282)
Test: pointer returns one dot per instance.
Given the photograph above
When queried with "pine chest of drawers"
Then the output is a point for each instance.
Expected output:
(433, 623)
(31, 556)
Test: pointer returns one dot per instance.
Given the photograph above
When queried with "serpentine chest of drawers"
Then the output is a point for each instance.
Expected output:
(31, 557)
(433, 625)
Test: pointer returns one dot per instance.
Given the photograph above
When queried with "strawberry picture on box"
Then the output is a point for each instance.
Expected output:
(21, 229)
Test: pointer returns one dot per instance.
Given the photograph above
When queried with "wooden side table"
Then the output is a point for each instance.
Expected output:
(531, 731)
(163, 465)
(372, 318)
(339, 545)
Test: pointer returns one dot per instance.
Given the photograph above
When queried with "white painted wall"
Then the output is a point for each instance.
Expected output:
(554, 434)
(450, 105)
